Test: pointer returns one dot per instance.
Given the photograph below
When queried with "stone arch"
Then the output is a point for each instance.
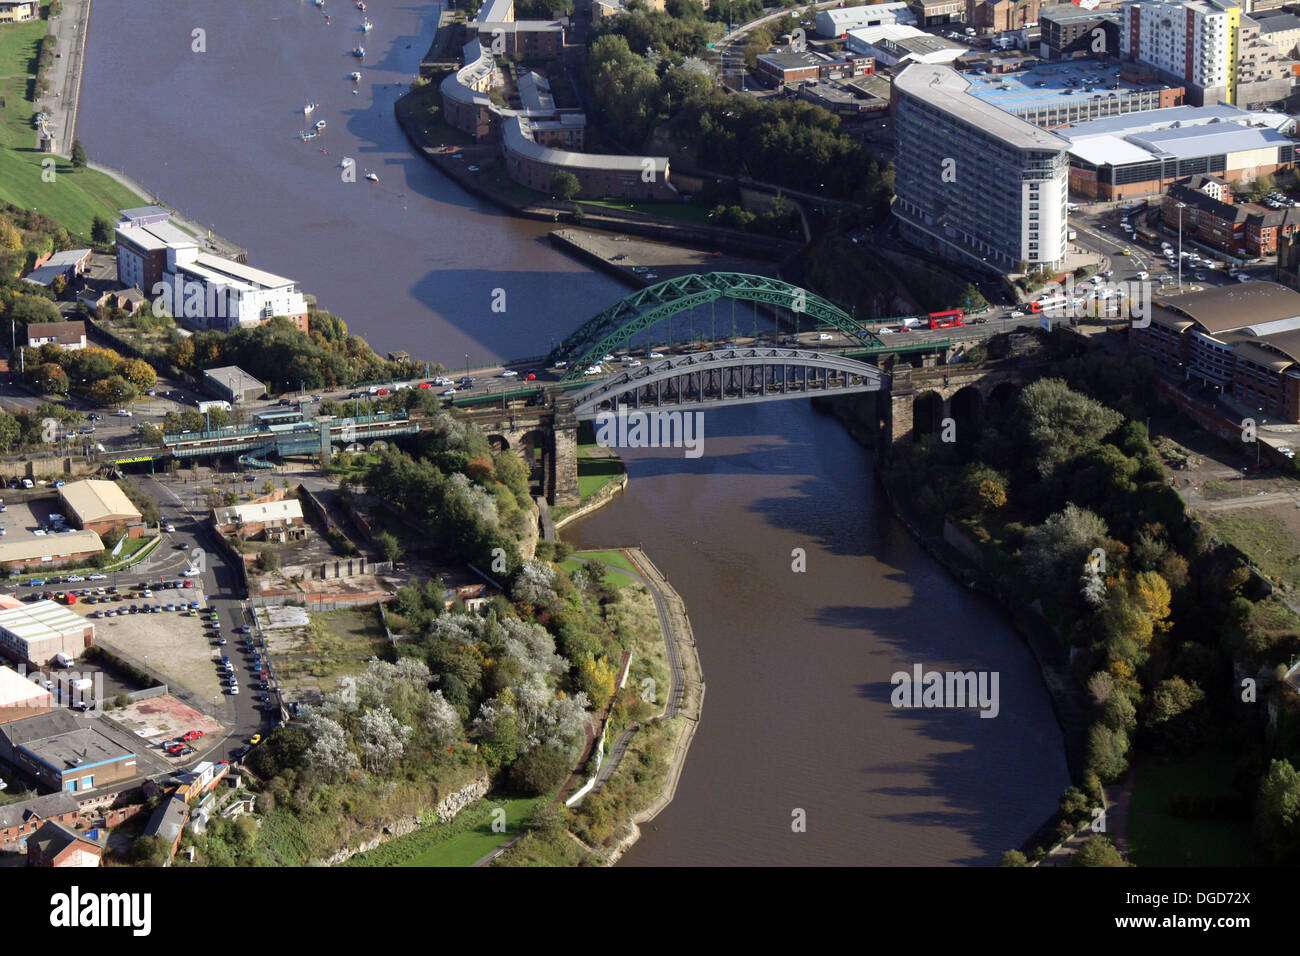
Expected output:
(928, 412)
(966, 408)
(1000, 397)
(498, 442)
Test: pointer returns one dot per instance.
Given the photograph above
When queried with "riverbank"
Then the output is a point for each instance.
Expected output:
(451, 161)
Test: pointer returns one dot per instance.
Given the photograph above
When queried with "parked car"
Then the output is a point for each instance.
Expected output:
(192, 735)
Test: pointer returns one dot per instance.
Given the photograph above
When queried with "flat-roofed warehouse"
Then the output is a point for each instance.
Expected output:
(20, 697)
(233, 384)
(100, 506)
(35, 633)
(68, 755)
(51, 550)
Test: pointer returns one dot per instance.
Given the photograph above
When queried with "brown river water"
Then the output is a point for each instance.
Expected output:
(797, 716)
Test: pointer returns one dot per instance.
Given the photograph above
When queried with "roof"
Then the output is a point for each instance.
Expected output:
(286, 508)
(234, 378)
(1045, 85)
(1277, 22)
(517, 138)
(79, 749)
(1237, 306)
(496, 11)
(19, 732)
(144, 212)
(238, 271)
(945, 89)
(43, 619)
(66, 333)
(68, 257)
(156, 236)
(16, 690)
(50, 546)
(42, 808)
(845, 17)
(1148, 120)
(168, 820)
(535, 93)
(53, 838)
(1068, 12)
(96, 499)
(478, 66)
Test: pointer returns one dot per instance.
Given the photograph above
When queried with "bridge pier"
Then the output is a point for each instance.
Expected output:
(563, 477)
(902, 394)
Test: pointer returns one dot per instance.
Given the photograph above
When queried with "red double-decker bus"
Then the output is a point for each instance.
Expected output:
(946, 320)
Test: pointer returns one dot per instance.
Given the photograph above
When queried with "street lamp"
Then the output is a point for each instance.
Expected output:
(1181, 206)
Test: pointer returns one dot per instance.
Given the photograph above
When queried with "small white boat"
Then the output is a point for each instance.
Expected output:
(320, 124)
(359, 53)
(309, 108)
(356, 77)
(345, 162)
(372, 177)
(366, 25)
(361, 5)
(304, 136)
(319, 3)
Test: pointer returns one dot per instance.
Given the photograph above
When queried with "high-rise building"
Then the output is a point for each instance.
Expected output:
(972, 181)
(1195, 41)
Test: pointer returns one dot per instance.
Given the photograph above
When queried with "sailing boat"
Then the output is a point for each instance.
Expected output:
(366, 25)
(307, 110)
(320, 124)
(372, 177)
(359, 53)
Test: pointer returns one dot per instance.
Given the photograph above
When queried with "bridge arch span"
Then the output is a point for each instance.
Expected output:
(611, 329)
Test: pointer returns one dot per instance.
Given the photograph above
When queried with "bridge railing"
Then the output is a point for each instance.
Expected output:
(226, 434)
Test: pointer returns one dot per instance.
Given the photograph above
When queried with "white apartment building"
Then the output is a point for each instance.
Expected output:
(1194, 41)
(974, 182)
(198, 288)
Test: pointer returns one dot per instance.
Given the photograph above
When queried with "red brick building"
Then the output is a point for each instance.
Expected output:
(1245, 229)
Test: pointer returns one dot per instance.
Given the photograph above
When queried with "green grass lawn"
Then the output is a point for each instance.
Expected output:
(614, 559)
(1155, 838)
(668, 210)
(75, 196)
(462, 842)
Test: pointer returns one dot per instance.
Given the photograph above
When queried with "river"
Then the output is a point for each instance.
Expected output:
(797, 715)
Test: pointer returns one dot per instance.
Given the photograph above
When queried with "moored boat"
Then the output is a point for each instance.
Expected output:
(309, 108)
(366, 25)
(372, 177)
(359, 53)
(320, 124)
(356, 77)
(304, 135)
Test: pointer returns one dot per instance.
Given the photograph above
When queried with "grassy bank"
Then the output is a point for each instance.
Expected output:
(75, 196)
(460, 842)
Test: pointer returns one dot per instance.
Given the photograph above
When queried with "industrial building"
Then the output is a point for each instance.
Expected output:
(100, 506)
(232, 384)
(933, 13)
(1243, 339)
(780, 69)
(896, 44)
(34, 633)
(980, 183)
(838, 21)
(63, 753)
(1001, 15)
(50, 550)
(21, 697)
(1142, 154)
(54, 845)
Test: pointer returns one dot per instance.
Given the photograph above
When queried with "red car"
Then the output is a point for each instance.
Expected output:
(175, 749)
(192, 735)
(530, 377)
(425, 385)
(384, 391)
(188, 583)
(263, 675)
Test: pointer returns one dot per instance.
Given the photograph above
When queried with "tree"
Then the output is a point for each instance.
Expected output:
(1175, 721)
(139, 373)
(268, 561)
(1013, 858)
(78, 155)
(1059, 545)
(1277, 812)
(51, 379)
(101, 230)
(389, 548)
(381, 737)
(1107, 752)
(564, 185)
(1062, 424)
(1097, 850)
(151, 851)
(984, 489)
(538, 771)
